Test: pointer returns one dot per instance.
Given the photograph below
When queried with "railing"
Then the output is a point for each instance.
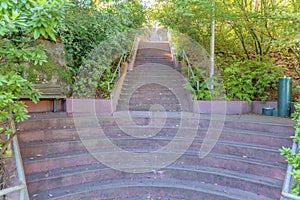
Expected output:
(184, 58)
(286, 195)
(132, 50)
(117, 70)
(173, 52)
(190, 70)
(21, 187)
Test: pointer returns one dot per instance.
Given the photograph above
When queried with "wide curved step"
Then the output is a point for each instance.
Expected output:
(244, 162)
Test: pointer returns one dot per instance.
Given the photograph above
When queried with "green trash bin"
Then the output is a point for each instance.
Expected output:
(284, 96)
(268, 111)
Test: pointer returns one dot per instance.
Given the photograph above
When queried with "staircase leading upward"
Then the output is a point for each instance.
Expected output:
(129, 155)
(154, 80)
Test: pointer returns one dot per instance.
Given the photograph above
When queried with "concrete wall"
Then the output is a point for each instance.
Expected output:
(44, 105)
(104, 106)
(235, 107)
(98, 106)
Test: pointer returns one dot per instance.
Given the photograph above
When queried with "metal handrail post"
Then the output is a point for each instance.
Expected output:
(190, 70)
(117, 70)
(21, 187)
(20, 169)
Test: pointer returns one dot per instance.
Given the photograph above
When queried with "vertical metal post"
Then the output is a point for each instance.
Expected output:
(54, 105)
(284, 96)
(212, 44)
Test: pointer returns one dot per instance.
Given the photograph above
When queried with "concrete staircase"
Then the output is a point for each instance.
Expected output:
(154, 80)
(152, 151)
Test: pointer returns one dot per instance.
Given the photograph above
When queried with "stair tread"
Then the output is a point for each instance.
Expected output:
(83, 153)
(212, 189)
(98, 167)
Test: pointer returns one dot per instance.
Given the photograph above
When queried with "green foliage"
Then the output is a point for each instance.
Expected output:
(294, 158)
(85, 28)
(11, 87)
(203, 91)
(22, 23)
(288, 24)
(40, 73)
(198, 59)
(94, 37)
(96, 66)
(105, 80)
(241, 26)
(250, 80)
(246, 31)
(35, 18)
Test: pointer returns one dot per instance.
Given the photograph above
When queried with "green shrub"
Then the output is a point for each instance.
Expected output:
(22, 23)
(94, 37)
(250, 79)
(204, 92)
(96, 68)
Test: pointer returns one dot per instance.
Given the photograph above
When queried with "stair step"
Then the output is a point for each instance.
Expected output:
(148, 97)
(47, 149)
(144, 107)
(246, 123)
(164, 85)
(136, 188)
(89, 173)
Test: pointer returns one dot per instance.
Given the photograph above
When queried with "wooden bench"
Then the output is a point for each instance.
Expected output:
(49, 91)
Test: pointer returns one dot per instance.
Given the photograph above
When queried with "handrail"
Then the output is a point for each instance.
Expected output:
(288, 176)
(173, 51)
(132, 49)
(184, 56)
(117, 70)
(190, 70)
(22, 187)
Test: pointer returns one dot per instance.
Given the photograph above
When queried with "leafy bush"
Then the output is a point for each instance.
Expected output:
(22, 23)
(94, 37)
(204, 92)
(11, 87)
(86, 27)
(250, 79)
(96, 67)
